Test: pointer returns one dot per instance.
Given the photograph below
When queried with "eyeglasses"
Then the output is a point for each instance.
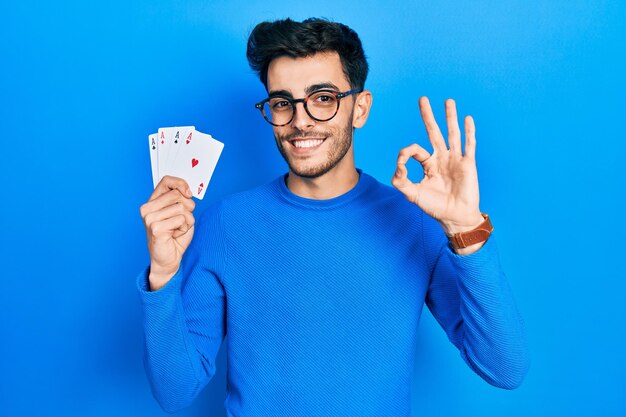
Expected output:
(321, 105)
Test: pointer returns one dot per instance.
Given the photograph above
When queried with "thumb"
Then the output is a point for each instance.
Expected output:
(403, 184)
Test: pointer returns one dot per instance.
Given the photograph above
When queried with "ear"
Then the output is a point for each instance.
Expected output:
(362, 107)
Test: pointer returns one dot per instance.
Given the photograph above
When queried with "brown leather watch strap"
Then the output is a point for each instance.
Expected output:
(471, 237)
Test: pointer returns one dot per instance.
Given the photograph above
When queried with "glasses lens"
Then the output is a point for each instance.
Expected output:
(278, 111)
(323, 105)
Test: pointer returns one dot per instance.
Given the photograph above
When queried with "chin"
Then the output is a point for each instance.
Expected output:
(305, 170)
(308, 173)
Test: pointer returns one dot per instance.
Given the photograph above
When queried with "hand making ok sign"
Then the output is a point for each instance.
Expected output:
(449, 190)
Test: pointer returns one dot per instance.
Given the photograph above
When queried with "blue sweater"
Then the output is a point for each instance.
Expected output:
(321, 301)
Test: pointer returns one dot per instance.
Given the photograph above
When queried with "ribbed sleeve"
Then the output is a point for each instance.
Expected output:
(470, 298)
(184, 321)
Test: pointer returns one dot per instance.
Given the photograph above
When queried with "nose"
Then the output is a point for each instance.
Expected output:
(301, 119)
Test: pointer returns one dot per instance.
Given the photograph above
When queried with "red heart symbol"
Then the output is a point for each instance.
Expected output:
(194, 162)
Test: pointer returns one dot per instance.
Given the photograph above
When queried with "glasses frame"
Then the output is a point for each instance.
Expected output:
(293, 101)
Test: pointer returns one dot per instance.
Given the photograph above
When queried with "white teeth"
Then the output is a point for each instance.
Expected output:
(306, 143)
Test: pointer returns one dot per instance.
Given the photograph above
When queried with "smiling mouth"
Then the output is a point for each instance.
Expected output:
(306, 143)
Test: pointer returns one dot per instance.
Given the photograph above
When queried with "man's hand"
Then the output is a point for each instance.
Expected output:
(449, 190)
(169, 222)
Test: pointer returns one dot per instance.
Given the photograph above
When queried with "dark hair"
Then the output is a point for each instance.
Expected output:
(269, 40)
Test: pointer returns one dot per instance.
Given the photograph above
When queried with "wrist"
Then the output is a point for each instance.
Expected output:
(469, 249)
(469, 241)
(450, 228)
(158, 277)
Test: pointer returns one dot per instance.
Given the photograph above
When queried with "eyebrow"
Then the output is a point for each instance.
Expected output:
(280, 93)
(307, 90)
(321, 86)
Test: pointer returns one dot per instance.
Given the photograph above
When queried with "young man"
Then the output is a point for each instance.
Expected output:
(319, 277)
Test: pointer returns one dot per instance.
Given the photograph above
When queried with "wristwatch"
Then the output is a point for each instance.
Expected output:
(471, 237)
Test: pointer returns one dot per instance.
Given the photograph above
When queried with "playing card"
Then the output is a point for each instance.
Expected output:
(154, 161)
(179, 134)
(163, 146)
(196, 161)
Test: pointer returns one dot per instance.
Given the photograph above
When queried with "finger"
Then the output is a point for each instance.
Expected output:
(169, 212)
(182, 230)
(167, 199)
(168, 183)
(454, 133)
(414, 151)
(410, 190)
(172, 197)
(434, 134)
(186, 226)
(470, 137)
(164, 229)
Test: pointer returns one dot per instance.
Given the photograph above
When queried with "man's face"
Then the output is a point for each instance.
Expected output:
(309, 147)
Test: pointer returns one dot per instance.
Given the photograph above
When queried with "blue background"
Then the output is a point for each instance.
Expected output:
(83, 83)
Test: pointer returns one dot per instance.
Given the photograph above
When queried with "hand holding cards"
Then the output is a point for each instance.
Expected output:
(185, 153)
(169, 221)
(182, 161)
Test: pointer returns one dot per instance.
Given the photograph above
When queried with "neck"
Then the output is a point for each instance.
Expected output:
(334, 183)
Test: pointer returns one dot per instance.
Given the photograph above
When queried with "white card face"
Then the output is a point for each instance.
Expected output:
(163, 146)
(154, 158)
(196, 161)
(179, 133)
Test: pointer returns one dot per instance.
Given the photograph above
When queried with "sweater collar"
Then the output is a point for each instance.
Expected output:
(361, 185)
